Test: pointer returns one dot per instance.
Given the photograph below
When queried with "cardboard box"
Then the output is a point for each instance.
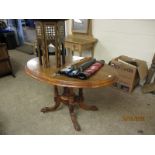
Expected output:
(130, 72)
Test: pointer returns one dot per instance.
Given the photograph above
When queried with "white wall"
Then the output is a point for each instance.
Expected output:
(134, 38)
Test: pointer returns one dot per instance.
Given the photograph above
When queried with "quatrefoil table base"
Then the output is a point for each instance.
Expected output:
(72, 100)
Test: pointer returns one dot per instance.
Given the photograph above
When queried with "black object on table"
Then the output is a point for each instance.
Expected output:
(84, 71)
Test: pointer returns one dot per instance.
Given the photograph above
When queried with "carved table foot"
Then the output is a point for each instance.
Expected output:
(50, 109)
(83, 105)
(88, 107)
(57, 102)
(71, 100)
(73, 118)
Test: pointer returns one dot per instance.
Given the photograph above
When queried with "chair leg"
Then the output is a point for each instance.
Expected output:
(11, 69)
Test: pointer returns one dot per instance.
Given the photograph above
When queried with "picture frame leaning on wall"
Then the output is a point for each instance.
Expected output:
(80, 26)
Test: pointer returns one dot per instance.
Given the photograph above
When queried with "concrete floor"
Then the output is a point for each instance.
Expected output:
(21, 99)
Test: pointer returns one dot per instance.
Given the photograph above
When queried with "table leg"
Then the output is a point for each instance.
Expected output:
(83, 105)
(11, 69)
(92, 52)
(72, 53)
(74, 118)
(80, 53)
(57, 102)
(70, 99)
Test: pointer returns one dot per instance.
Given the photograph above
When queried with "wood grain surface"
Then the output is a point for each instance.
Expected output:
(104, 77)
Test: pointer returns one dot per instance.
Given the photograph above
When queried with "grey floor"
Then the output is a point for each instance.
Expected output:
(21, 99)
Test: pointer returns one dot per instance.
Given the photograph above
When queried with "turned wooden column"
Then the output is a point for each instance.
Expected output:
(72, 100)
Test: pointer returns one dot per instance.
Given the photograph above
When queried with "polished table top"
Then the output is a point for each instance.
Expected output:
(104, 77)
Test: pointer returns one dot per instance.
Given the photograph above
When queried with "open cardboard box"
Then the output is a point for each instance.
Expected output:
(130, 72)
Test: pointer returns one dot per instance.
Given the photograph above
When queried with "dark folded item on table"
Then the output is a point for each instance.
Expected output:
(85, 65)
(91, 70)
(84, 71)
(73, 71)
(65, 70)
(69, 72)
(77, 64)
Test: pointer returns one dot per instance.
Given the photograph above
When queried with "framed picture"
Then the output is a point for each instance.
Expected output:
(80, 25)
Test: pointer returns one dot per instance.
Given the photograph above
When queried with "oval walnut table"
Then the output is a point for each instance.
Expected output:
(104, 77)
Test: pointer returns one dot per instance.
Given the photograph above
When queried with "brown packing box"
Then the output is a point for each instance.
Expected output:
(129, 71)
